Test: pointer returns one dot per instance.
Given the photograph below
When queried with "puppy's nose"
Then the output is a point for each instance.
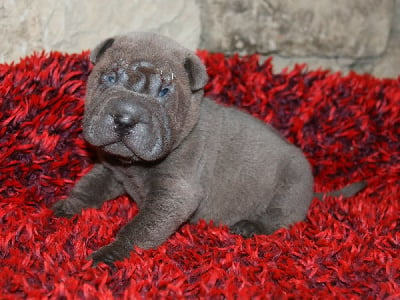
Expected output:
(124, 122)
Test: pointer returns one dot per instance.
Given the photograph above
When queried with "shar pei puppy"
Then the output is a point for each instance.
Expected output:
(179, 155)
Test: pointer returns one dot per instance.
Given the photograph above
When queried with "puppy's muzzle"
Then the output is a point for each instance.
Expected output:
(124, 122)
(129, 125)
(126, 114)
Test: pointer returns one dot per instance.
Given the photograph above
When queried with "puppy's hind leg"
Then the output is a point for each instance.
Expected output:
(247, 228)
(293, 195)
(290, 201)
(288, 206)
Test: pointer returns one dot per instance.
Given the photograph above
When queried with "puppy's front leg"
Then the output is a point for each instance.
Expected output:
(166, 208)
(91, 190)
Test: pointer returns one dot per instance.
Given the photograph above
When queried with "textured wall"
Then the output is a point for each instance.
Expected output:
(297, 28)
(360, 35)
(340, 35)
(74, 25)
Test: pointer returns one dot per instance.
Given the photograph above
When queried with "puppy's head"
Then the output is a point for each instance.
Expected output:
(143, 96)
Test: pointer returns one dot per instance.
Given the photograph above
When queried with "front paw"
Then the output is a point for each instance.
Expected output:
(110, 253)
(67, 208)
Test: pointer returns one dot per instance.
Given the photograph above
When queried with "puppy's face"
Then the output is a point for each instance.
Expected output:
(140, 96)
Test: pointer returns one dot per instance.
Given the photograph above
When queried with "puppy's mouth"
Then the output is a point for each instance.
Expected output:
(148, 139)
(137, 144)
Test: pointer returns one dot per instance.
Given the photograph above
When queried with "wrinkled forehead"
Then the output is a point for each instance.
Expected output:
(141, 58)
(146, 68)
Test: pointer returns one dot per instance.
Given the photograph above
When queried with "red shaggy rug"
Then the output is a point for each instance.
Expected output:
(348, 126)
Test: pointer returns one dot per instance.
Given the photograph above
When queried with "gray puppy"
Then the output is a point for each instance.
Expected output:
(181, 156)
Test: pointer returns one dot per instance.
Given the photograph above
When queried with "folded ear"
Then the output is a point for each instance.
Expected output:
(100, 49)
(197, 72)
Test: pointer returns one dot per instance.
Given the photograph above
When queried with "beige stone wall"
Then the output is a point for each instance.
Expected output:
(75, 25)
(341, 35)
(360, 35)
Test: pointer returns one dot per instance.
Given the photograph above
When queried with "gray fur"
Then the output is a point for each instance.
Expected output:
(180, 156)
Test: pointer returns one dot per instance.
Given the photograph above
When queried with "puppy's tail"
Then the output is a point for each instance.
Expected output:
(348, 191)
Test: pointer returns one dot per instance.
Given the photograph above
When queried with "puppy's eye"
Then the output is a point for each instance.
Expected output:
(163, 92)
(110, 78)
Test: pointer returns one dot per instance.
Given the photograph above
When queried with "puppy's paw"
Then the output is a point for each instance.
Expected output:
(110, 253)
(67, 208)
(247, 228)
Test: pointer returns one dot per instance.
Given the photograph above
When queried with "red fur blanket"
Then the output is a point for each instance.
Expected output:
(348, 126)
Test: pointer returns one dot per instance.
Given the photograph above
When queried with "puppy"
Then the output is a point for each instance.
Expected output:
(180, 156)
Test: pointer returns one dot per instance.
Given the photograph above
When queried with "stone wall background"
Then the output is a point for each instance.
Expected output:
(360, 35)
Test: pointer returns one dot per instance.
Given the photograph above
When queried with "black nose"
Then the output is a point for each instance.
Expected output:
(126, 114)
(124, 122)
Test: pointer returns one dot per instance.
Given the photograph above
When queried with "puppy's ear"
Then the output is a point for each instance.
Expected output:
(100, 49)
(197, 72)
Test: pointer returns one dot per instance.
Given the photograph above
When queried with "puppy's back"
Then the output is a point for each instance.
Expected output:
(251, 161)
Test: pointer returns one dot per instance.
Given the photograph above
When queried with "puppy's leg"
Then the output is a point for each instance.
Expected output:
(167, 207)
(91, 190)
(287, 207)
(292, 197)
(247, 228)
